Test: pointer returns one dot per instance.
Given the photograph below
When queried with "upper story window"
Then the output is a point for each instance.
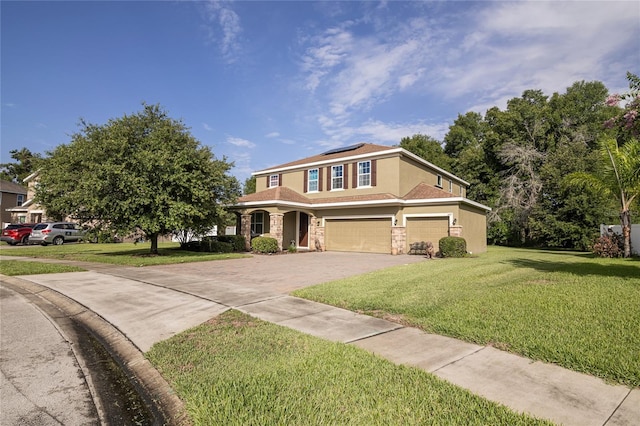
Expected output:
(450, 186)
(274, 180)
(364, 173)
(20, 200)
(313, 180)
(439, 181)
(337, 177)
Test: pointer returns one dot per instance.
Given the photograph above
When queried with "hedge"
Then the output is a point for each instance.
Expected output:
(264, 245)
(452, 247)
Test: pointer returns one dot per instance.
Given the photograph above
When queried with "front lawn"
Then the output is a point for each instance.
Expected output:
(126, 254)
(238, 370)
(18, 267)
(562, 307)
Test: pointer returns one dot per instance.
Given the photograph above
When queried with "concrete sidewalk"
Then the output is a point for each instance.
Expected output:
(150, 304)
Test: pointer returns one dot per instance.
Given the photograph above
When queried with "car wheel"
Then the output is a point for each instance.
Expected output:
(25, 240)
(58, 241)
(12, 243)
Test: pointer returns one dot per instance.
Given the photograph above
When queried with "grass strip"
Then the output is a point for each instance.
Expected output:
(18, 267)
(125, 254)
(238, 370)
(560, 307)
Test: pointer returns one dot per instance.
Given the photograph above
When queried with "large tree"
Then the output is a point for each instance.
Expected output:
(427, 148)
(25, 164)
(143, 171)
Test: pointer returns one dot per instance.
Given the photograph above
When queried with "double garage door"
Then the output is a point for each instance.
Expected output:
(362, 235)
(426, 229)
(374, 235)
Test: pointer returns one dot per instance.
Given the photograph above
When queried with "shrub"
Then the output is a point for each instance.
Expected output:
(452, 247)
(209, 245)
(237, 241)
(609, 246)
(264, 245)
(292, 248)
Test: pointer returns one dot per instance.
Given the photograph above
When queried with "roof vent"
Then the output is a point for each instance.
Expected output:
(343, 149)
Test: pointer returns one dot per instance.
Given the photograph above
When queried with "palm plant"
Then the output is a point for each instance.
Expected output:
(619, 178)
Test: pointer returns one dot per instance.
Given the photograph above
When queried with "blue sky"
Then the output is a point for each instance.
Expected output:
(264, 83)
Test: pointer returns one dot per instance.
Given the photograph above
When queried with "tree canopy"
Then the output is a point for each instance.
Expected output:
(143, 172)
(26, 163)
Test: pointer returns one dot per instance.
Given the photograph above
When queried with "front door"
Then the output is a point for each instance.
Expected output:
(303, 230)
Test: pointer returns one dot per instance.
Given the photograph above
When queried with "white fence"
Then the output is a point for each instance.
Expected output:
(635, 235)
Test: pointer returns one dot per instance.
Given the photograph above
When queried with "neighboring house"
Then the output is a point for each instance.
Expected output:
(363, 198)
(11, 195)
(29, 211)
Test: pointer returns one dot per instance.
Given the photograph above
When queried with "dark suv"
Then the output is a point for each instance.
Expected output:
(16, 233)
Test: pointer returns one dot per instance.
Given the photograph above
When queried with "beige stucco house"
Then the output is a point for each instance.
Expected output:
(364, 198)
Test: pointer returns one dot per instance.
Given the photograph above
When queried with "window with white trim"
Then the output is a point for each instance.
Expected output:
(274, 180)
(336, 177)
(450, 185)
(20, 200)
(439, 181)
(364, 173)
(313, 179)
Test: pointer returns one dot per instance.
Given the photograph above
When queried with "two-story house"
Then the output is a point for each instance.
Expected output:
(29, 211)
(11, 195)
(365, 198)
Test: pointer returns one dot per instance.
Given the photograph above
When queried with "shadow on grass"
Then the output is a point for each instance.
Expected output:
(630, 270)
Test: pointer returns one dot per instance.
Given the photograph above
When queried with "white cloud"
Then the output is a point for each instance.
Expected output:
(272, 135)
(207, 127)
(243, 143)
(224, 29)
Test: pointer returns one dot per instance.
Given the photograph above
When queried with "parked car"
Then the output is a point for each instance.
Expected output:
(16, 233)
(56, 233)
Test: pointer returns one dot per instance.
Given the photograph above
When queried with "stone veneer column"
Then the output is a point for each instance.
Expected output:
(455, 231)
(398, 239)
(276, 227)
(245, 230)
(312, 233)
(319, 239)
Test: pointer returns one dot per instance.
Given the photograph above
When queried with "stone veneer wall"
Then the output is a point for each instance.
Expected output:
(455, 231)
(276, 225)
(319, 239)
(398, 239)
(245, 230)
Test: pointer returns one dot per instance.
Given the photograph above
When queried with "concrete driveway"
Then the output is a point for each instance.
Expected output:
(284, 273)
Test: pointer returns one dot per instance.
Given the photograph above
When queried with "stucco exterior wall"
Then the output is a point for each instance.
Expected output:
(474, 228)
(412, 173)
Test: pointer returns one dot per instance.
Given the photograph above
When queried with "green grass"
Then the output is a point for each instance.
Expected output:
(17, 267)
(562, 307)
(237, 370)
(126, 254)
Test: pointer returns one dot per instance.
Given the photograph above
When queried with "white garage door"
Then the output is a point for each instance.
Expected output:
(363, 235)
(426, 229)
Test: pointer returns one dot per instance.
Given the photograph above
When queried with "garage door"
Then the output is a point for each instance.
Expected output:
(363, 235)
(427, 229)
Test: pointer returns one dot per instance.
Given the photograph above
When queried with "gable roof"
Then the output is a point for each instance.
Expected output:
(329, 156)
(422, 191)
(12, 188)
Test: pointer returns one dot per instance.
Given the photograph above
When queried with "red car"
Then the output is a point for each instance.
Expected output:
(17, 233)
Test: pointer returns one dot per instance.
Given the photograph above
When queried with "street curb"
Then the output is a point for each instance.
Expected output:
(158, 396)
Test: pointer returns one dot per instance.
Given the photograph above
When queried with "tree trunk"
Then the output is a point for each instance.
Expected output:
(154, 243)
(625, 219)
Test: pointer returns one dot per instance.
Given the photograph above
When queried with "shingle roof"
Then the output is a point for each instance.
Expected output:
(365, 148)
(278, 193)
(11, 187)
(422, 191)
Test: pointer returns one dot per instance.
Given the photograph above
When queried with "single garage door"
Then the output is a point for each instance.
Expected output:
(426, 229)
(363, 235)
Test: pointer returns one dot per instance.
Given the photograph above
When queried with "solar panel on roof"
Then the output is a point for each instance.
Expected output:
(343, 149)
